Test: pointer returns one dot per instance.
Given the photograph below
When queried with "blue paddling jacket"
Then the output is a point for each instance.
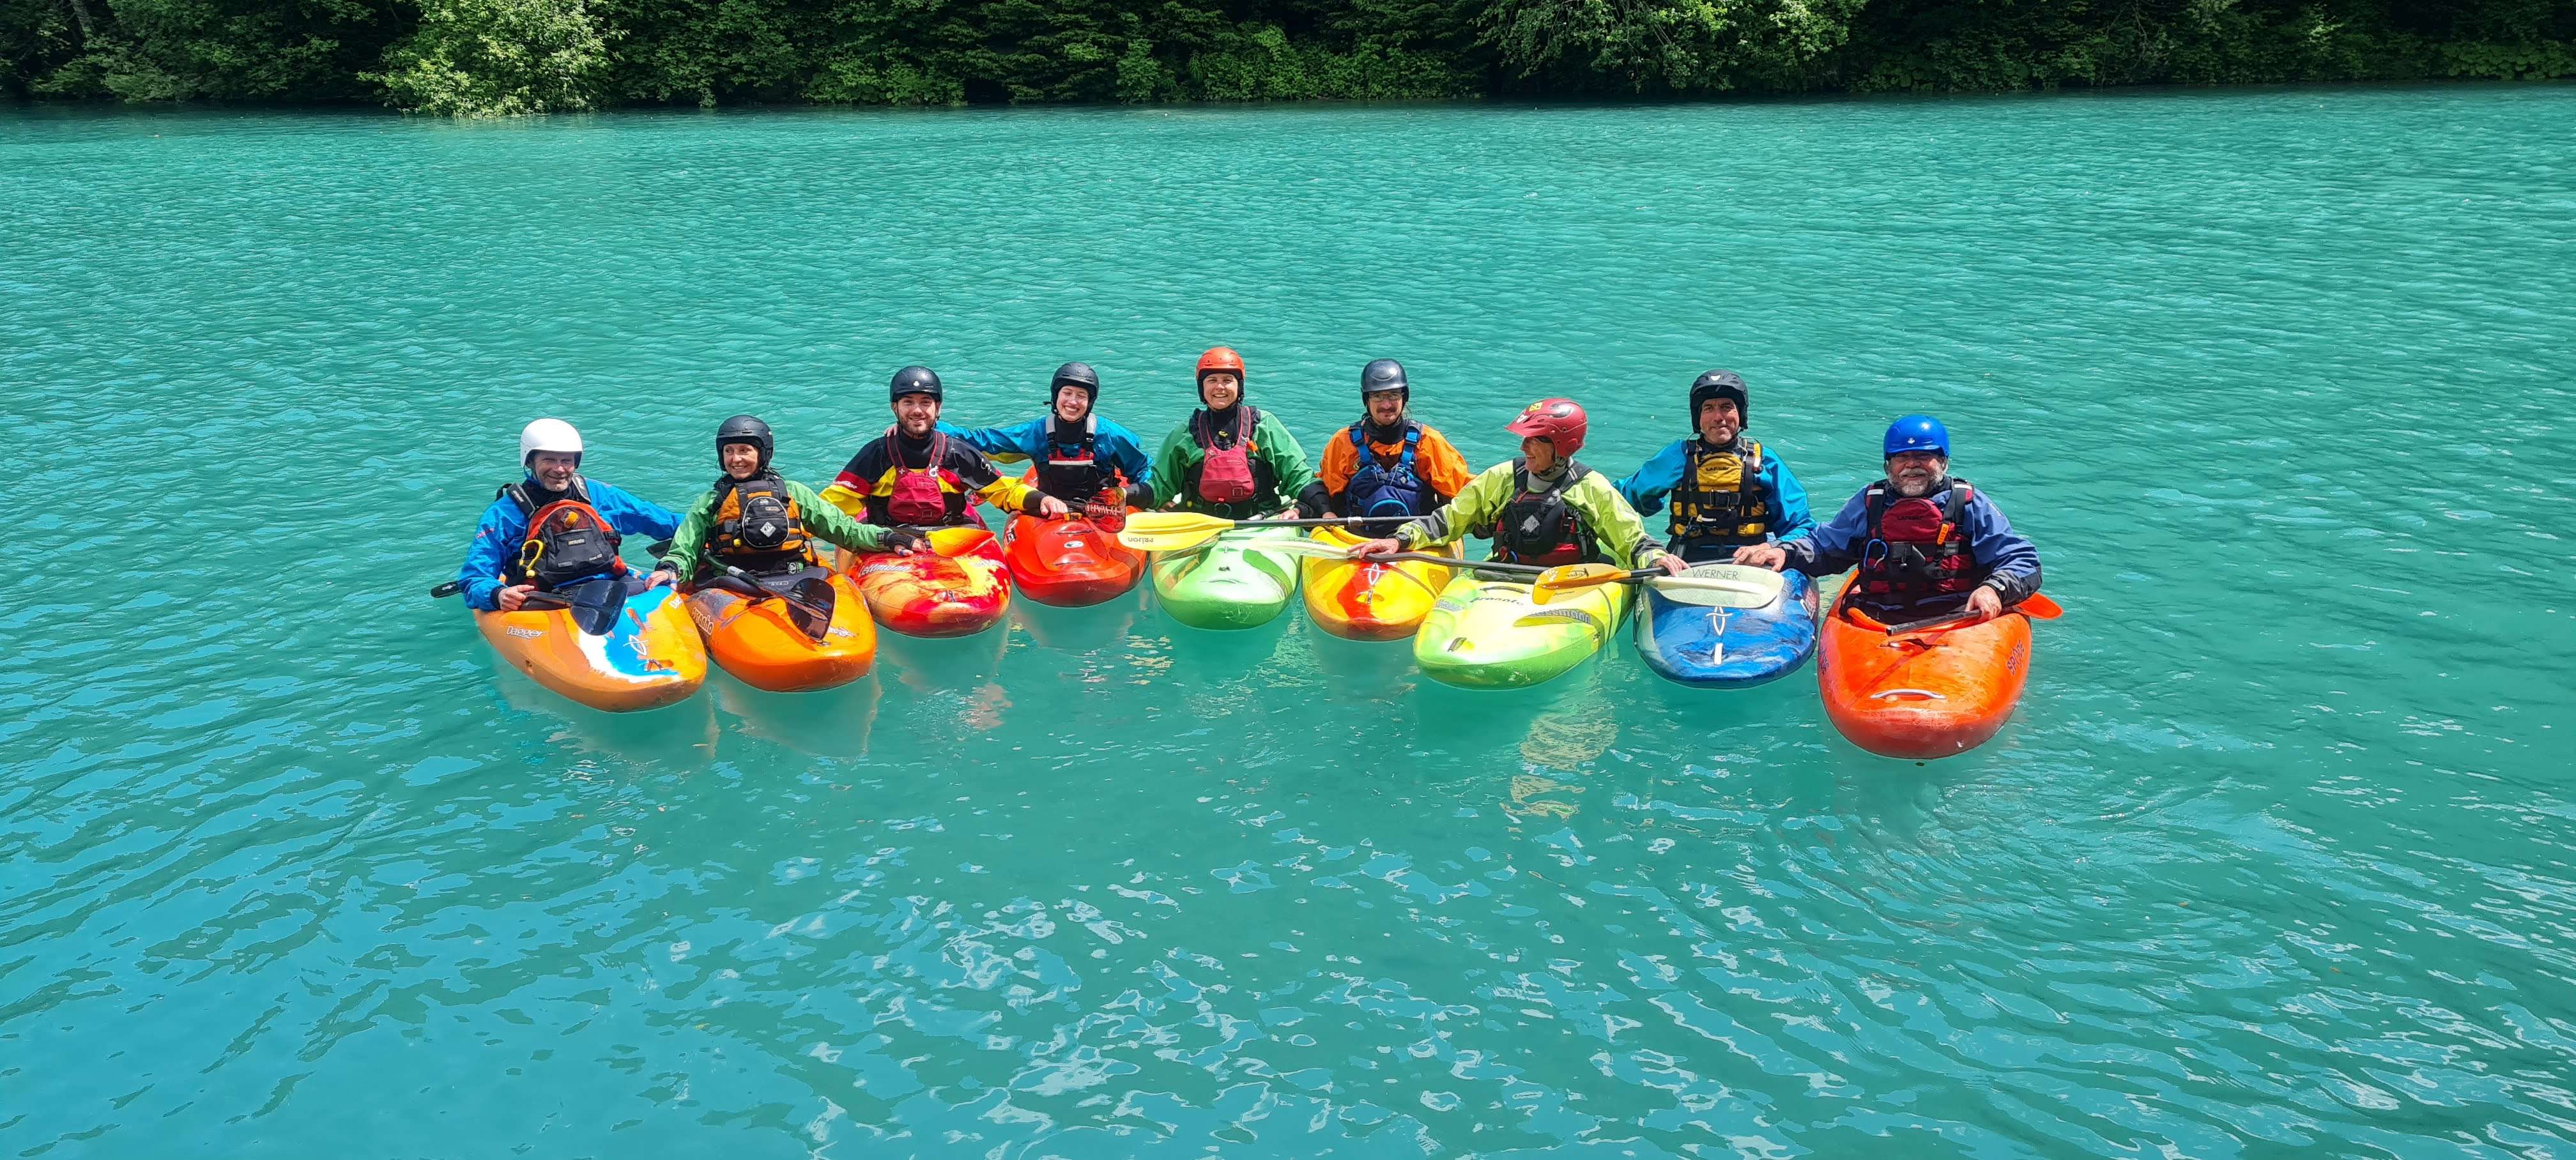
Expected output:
(1920, 556)
(1728, 495)
(504, 526)
(1074, 464)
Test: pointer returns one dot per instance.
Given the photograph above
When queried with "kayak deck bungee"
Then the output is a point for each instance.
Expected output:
(1925, 694)
(958, 588)
(1729, 648)
(1070, 563)
(1230, 583)
(773, 645)
(1369, 599)
(618, 647)
(1486, 632)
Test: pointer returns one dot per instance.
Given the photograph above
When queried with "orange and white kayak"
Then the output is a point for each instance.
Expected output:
(774, 645)
(618, 647)
(958, 588)
(1370, 600)
(1931, 693)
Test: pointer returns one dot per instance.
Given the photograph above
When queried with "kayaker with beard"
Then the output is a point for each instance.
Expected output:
(576, 522)
(1543, 508)
(1926, 543)
(1081, 458)
(1727, 489)
(764, 524)
(1385, 465)
(918, 476)
(1231, 459)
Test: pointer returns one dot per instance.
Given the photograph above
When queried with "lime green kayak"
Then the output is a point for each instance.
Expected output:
(1485, 634)
(1231, 583)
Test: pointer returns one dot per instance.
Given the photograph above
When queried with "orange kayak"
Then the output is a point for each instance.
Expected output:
(958, 588)
(1921, 695)
(631, 650)
(773, 645)
(1070, 562)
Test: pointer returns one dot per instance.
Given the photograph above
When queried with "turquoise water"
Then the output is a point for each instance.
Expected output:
(2278, 857)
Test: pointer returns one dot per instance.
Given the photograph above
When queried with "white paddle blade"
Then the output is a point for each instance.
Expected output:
(1722, 586)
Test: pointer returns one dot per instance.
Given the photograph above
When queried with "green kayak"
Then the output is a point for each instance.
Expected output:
(1486, 634)
(1231, 583)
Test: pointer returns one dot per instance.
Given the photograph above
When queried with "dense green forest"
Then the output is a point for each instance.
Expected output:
(488, 57)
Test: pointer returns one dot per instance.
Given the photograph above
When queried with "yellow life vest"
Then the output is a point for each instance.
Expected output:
(1720, 500)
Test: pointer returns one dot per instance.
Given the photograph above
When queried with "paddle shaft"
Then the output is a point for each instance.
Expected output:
(2035, 606)
(452, 587)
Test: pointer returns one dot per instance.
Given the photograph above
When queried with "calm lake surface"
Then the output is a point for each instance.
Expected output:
(2278, 857)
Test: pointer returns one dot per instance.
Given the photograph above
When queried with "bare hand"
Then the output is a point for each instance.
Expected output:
(1762, 556)
(1326, 514)
(509, 599)
(1985, 603)
(660, 577)
(1671, 564)
(1376, 548)
(1051, 507)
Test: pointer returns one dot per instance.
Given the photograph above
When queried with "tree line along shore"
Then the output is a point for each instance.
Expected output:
(503, 57)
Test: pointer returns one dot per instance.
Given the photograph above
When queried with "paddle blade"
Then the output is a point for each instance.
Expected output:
(1170, 531)
(2038, 606)
(1570, 580)
(1721, 586)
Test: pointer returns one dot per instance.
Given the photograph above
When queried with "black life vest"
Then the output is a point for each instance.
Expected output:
(1917, 548)
(758, 525)
(1378, 489)
(567, 540)
(1072, 472)
(1541, 528)
(1720, 502)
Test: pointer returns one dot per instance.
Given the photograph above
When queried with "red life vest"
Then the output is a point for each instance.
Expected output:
(1917, 547)
(1225, 473)
(917, 499)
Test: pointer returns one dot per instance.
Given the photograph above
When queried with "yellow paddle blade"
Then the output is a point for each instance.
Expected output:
(1171, 531)
(1570, 580)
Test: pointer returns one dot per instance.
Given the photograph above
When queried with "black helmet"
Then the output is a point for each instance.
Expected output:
(1384, 374)
(914, 381)
(746, 429)
(1719, 385)
(1077, 374)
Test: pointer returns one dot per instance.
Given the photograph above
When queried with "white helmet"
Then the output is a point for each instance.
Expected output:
(553, 435)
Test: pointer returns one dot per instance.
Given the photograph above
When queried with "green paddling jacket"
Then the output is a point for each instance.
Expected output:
(819, 519)
(1615, 533)
(1279, 470)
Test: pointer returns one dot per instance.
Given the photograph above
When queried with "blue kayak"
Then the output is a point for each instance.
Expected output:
(1729, 648)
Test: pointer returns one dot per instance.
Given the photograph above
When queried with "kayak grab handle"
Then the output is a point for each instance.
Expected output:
(1913, 694)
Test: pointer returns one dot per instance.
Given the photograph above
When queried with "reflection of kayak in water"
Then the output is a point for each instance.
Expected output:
(1925, 694)
(822, 640)
(1230, 583)
(610, 644)
(1489, 634)
(1723, 648)
(958, 588)
(1370, 600)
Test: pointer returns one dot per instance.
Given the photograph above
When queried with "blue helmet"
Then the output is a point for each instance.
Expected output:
(1918, 433)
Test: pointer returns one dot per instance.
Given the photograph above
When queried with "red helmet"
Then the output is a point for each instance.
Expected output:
(1559, 421)
(1218, 358)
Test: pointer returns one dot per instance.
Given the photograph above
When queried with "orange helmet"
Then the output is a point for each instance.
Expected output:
(1220, 358)
(1559, 421)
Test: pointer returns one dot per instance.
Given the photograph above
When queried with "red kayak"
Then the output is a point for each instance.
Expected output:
(1070, 562)
(1931, 693)
(958, 588)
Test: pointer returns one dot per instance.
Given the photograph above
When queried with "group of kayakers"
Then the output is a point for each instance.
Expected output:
(1923, 541)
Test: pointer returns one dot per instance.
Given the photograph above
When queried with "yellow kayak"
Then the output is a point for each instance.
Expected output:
(1487, 634)
(1360, 600)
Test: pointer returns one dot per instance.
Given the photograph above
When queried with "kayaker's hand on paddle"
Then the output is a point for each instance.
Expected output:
(509, 599)
(1049, 507)
(660, 577)
(906, 543)
(1762, 556)
(1985, 603)
(1376, 547)
(1671, 564)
